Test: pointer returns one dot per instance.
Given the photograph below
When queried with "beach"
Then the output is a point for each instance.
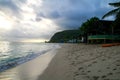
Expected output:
(84, 62)
(29, 70)
(71, 62)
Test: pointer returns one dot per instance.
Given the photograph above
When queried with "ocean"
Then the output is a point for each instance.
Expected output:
(16, 53)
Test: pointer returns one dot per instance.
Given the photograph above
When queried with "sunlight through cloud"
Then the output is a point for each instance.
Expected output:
(33, 19)
(5, 22)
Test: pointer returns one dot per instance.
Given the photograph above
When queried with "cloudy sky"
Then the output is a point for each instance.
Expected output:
(38, 20)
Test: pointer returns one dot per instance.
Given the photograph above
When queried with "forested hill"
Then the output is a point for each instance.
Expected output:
(64, 36)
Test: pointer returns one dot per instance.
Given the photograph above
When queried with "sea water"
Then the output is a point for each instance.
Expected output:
(16, 53)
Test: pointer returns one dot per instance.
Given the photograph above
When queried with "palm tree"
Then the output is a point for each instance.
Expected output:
(115, 12)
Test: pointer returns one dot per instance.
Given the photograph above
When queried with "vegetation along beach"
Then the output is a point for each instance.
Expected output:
(59, 40)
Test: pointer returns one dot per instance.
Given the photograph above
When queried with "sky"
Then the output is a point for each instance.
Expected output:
(38, 20)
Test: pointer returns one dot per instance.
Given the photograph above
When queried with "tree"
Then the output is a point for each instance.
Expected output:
(89, 25)
(115, 12)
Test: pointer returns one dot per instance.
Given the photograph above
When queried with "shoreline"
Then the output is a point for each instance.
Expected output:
(58, 68)
(29, 70)
(84, 62)
(72, 62)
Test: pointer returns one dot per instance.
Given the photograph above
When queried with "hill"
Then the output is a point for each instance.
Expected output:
(64, 36)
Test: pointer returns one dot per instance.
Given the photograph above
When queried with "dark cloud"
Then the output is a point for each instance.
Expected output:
(12, 7)
(71, 13)
(51, 15)
(54, 15)
(45, 17)
(38, 19)
(10, 4)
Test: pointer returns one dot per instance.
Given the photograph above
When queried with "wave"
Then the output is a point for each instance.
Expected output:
(10, 63)
(14, 54)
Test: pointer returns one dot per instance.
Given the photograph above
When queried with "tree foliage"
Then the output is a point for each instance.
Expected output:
(115, 11)
(89, 25)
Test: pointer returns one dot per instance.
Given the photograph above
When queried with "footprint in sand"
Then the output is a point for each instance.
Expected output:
(76, 74)
(110, 74)
(80, 68)
(103, 59)
(95, 77)
(88, 77)
(94, 62)
(104, 76)
(117, 60)
(106, 79)
(88, 71)
(117, 64)
(83, 71)
(72, 63)
(89, 65)
(107, 67)
(82, 55)
(109, 57)
(115, 69)
(99, 71)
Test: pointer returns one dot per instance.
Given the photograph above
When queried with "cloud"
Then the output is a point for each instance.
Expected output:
(71, 13)
(9, 4)
(12, 7)
(40, 19)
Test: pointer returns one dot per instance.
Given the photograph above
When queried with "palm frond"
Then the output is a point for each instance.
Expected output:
(118, 15)
(117, 4)
(113, 12)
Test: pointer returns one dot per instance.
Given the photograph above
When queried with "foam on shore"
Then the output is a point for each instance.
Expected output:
(29, 70)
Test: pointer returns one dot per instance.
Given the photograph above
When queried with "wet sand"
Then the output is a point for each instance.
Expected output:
(29, 70)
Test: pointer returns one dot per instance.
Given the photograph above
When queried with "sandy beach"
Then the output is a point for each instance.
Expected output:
(84, 62)
(71, 62)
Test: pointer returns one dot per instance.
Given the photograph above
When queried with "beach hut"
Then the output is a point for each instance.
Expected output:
(103, 33)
